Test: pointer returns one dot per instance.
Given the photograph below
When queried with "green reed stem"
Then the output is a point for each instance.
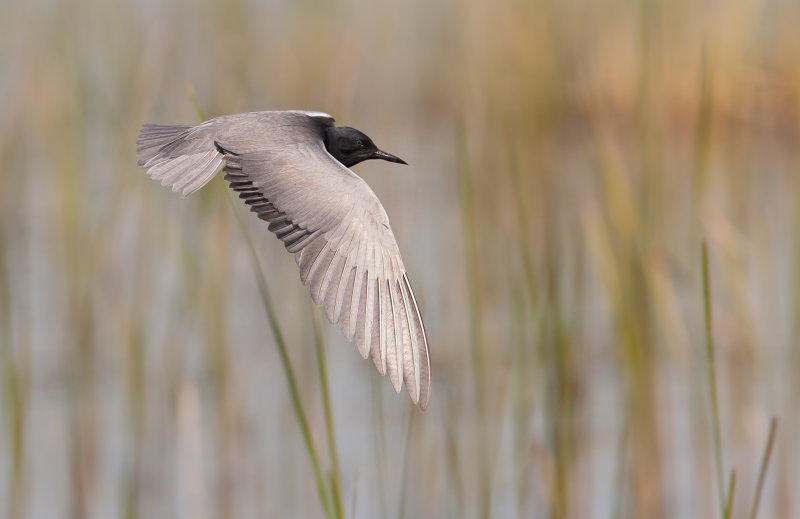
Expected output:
(297, 404)
(401, 506)
(198, 110)
(762, 473)
(379, 440)
(712, 381)
(475, 316)
(335, 473)
(726, 513)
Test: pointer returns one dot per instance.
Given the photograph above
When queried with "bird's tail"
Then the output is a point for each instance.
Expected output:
(182, 157)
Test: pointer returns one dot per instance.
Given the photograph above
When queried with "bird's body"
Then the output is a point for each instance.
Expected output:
(291, 168)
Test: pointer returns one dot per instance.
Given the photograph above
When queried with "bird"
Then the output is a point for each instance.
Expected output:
(291, 168)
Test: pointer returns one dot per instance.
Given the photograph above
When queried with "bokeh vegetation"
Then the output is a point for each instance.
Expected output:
(591, 357)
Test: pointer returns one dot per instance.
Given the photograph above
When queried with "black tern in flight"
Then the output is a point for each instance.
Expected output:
(291, 168)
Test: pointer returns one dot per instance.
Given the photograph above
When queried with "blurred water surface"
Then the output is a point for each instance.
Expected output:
(567, 160)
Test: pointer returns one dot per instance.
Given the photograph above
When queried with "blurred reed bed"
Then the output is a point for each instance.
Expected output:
(568, 161)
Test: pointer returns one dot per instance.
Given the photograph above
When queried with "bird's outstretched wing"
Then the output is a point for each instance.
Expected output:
(339, 233)
(324, 213)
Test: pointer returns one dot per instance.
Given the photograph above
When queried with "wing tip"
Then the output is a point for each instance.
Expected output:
(423, 403)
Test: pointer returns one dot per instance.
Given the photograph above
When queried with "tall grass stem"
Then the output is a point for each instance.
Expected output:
(335, 473)
(475, 316)
(297, 404)
(712, 380)
(762, 473)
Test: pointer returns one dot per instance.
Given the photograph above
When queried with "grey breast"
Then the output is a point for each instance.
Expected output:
(325, 214)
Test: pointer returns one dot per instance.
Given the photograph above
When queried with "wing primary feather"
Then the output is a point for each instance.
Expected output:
(339, 293)
(355, 297)
(410, 364)
(377, 346)
(314, 250)
(343, 316)
(362, 337)
(388, 322)
(423, 353)
(321, 282)
(315, 276)
(387, 332)
(338, 300)
(397, 321)
(332, 282)
(395, 339)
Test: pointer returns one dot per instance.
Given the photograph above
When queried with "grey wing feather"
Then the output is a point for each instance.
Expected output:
(348, 257)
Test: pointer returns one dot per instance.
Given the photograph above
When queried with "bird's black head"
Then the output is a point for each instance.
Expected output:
(349, 146)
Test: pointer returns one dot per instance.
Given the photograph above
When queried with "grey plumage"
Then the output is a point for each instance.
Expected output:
(283, 165)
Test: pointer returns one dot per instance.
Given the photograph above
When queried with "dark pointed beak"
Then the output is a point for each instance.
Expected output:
(388, 156)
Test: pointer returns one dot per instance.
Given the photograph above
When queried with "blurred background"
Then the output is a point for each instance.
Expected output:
(567, 161)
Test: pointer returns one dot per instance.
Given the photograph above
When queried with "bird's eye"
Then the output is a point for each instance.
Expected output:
(359, 143)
